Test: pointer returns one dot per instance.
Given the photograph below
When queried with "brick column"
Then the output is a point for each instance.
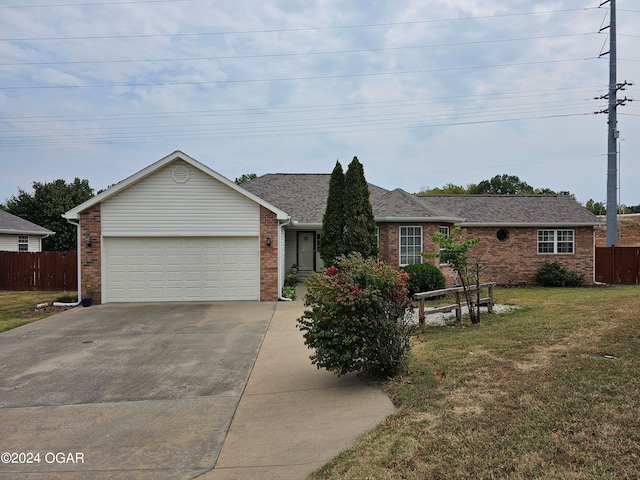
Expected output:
(269, 288)
(90, 256)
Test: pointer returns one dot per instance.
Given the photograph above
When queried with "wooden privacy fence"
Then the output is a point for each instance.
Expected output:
(38, 271)
(457, 291)
(618, 265)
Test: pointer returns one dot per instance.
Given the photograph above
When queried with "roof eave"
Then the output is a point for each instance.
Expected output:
(529, 224)
(297, 224)
(418, 219)
(302, 225)
(27, 232)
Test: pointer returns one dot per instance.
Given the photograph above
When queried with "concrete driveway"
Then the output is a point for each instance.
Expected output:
(125, 391)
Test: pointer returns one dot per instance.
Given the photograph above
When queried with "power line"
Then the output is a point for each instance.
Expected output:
(395, 117)
(299, 54)
(301, 122)
(279, 132)
(311, 124)
(288, 30)
(289, 79)
(91, 4)
(387, 104)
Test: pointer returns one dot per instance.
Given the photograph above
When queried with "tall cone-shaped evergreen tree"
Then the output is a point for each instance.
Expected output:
(333, 222)
(360, 226)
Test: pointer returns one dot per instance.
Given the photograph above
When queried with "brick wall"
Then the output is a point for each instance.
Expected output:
(269, 289)
(506, 262)
(90, 267)
(516, 259)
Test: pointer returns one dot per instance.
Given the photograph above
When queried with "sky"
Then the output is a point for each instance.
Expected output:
(423, 93)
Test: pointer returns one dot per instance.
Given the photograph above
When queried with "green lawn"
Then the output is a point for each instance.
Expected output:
(526, 394)
(18, 308)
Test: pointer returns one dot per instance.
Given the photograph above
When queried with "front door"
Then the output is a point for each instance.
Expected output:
(306, 251)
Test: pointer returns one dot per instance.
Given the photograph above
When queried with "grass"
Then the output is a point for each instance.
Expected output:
(18, 308)
(521, 396)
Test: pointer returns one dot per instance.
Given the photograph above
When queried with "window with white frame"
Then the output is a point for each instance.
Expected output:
(555, 241)
(23, 243)
(444, 229)
(410, 245)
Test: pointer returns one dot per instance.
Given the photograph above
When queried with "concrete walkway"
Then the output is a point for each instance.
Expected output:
(293, 418)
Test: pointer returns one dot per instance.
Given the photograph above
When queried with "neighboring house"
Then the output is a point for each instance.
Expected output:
(179, 231)
(20, 235)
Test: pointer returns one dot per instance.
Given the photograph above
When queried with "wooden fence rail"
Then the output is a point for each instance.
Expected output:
(457, 291)
(47, 271)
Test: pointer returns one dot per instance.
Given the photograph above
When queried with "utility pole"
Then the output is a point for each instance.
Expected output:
(612, 146)
(612, 152)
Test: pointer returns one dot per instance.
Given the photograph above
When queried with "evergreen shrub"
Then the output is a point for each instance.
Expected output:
(552, 274)
(424, 277)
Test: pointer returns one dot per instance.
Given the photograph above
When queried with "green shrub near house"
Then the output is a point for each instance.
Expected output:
(289, 292)
(423, 277)
(290, 280)
(552, 274)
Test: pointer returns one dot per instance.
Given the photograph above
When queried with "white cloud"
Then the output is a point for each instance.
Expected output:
(447, 91)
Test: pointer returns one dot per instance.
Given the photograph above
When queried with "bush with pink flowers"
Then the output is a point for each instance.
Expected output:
(357, 321)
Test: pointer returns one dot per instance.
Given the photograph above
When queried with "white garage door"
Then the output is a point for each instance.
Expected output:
(181, 269)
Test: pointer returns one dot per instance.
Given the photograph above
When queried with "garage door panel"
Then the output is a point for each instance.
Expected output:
(117, 293)
(136, 277)
(155, 277)
(118, 260)
(175, 269)
(211, 258)
(193, 259)
(191, 277)
(155, 259)
(212, 277)
(174, 276)
(245, 276)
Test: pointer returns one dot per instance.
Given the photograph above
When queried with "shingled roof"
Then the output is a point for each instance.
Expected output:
(513, 210)
(10, 224)
(398, 205)
(301, 195)
(304, 197)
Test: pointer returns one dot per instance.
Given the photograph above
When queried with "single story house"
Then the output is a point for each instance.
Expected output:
(518, 233)
(20, 235)
(179, 231)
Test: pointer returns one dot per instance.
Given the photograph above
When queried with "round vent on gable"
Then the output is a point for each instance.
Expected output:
(180, 174)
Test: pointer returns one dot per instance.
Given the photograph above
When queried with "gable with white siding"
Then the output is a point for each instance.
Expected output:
(180, 200)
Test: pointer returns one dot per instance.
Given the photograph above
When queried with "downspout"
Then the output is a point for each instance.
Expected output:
(61, 304)
(595, 282)
(280, 273)
(42, 238)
